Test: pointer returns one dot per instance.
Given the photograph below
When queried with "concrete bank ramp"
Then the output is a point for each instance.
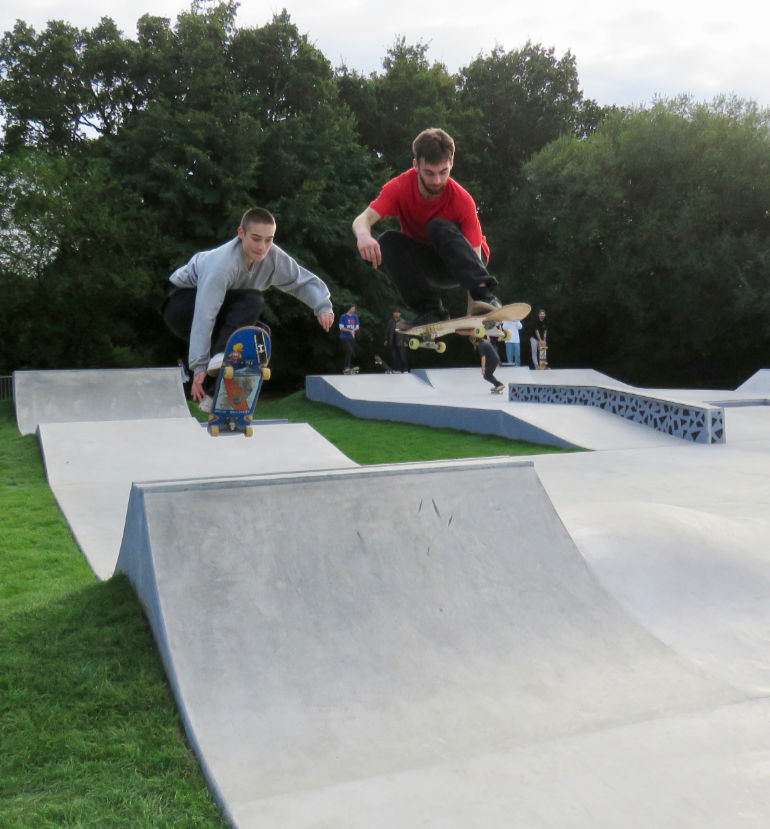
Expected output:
(90, 467)
(96, 394)
(400, 646)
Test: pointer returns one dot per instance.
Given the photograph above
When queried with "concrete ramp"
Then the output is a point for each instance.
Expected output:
(91, 466)
(97, 394)
(757, 383)
(409, 646)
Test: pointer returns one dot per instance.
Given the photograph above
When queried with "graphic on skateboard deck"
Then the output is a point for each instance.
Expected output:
(239, 382)
(479, 325)
(542, 355)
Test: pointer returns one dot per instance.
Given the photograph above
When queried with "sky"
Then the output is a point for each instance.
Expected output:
(628, 52)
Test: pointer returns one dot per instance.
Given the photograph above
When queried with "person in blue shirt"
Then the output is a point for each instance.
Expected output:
(348, 330)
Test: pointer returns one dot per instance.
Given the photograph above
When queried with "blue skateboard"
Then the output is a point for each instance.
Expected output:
(240, 380)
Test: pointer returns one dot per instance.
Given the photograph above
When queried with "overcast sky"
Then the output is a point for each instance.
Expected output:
(627, 51)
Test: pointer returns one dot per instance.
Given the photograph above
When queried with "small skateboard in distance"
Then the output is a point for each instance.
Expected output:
(240, 380)
(378, 361)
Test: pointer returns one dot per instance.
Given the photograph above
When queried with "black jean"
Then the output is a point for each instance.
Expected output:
(240, 307)
(420, 271)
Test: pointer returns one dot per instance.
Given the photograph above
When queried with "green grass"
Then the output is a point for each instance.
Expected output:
(89, 732)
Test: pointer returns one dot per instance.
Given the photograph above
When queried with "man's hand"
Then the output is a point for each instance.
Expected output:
(326, 320)
(369, 248)
(196, 390)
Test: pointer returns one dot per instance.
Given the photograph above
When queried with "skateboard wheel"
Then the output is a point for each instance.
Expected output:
(480, 332)
(213, 430)
(441, 347)
(414, 343)
(229, 372)
(508, 336)
(248, 431)
(265, 373)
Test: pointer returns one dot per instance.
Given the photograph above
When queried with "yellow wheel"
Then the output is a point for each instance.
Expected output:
(441, 347)
(508, 336)
(265, 373)
(480, 332)
(248, 431)
(229, 372)
(214, 430)
(414, 343)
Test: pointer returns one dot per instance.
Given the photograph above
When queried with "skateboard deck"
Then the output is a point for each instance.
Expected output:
(489, 324)
(378, 361)
(542, 355)
(240, 380)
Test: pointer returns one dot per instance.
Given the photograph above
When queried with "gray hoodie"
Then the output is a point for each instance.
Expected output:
(214, 272)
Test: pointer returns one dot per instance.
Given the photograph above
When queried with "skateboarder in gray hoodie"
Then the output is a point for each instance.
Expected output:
(221, 290)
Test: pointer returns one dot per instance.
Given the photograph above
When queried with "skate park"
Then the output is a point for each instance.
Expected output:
(405, 645)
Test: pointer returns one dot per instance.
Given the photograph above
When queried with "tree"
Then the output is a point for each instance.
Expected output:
(125, 187)
(393, 107)
(650, 241)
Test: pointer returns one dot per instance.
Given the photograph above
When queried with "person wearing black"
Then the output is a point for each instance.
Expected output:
(396, 341)
(490, 360)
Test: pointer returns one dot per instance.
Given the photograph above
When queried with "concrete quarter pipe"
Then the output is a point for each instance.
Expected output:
(400, 646)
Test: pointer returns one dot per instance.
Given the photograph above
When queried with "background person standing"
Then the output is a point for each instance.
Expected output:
(349, 326)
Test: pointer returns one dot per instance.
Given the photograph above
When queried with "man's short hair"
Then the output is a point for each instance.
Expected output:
(257, 215)
(433, 146)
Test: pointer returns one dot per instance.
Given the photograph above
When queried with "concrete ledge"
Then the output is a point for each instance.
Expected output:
(699, 423)
(439, 414)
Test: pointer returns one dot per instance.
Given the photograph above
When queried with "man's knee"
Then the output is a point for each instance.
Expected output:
(178, 310)
(243, 305)
(439, 230)
(392, 244)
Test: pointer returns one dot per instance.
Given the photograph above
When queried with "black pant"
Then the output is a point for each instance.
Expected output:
(348, 348)
(420, 271)
(398, 357)
(240, 307)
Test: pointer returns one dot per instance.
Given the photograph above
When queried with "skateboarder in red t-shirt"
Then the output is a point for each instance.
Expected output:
(440, 244)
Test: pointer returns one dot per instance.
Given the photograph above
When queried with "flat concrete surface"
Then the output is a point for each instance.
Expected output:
(460, 398)
(96, 394)
(428, 653)
(91, 466)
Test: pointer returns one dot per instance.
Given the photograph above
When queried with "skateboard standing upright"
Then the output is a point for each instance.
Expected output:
(378, 361)
(487, 324)
(240, 380)
(542, 355)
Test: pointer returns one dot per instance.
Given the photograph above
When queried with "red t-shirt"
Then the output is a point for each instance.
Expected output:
(401, 197)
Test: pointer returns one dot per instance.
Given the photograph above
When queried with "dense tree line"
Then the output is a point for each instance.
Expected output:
(646, 233)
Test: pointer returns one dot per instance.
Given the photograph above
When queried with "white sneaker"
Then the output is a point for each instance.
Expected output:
(215, 363)
(206, 404)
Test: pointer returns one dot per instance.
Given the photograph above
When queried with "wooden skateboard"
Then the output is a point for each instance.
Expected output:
(542, 355)
(488, 324)
(240, 380)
